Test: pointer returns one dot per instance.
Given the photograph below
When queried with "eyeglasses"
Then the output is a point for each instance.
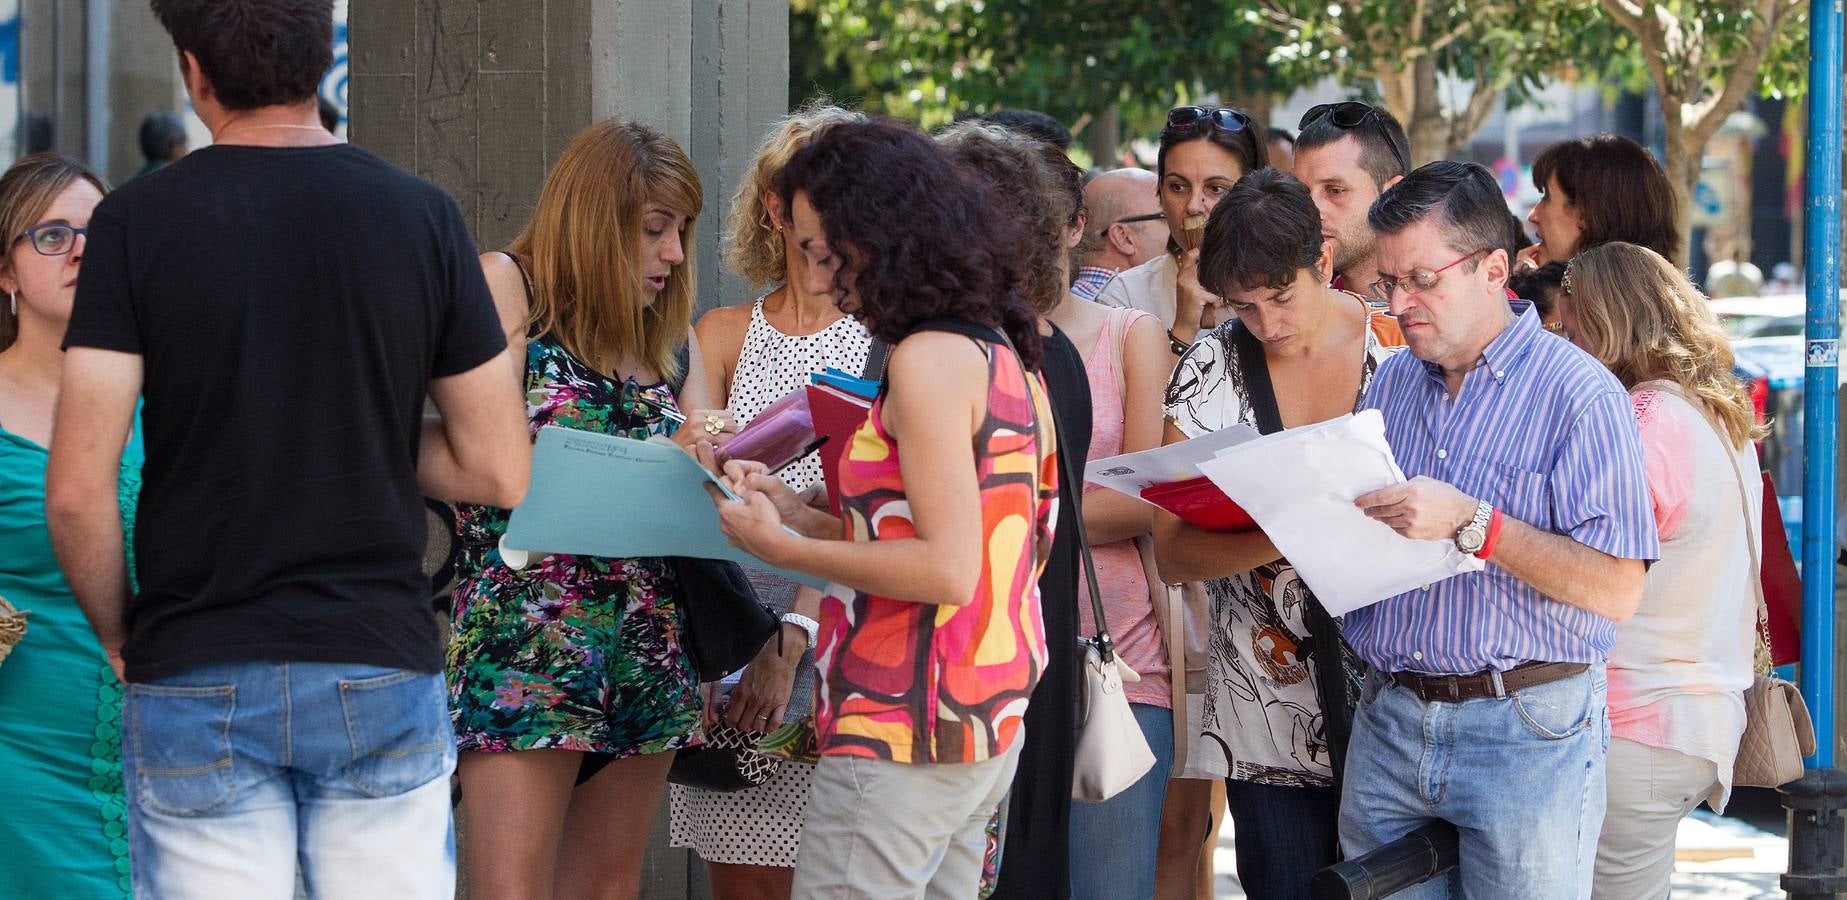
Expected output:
(1350, 114)
(1222, 118)
(1144, 217)
(52, 240)
(1419, 281)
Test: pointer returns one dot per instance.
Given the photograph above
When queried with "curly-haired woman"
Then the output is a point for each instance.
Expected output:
(930, 639)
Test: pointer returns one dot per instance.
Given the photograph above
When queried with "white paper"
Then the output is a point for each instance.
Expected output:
(1130, 473)
(1300, 485)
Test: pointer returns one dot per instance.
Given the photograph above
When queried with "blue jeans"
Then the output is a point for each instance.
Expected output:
(238, 773)
(1115, 844)
(1522, 779)
(1283, 836)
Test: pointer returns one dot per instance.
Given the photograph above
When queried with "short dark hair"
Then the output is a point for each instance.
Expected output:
(949, 256)
(1464, 196)
(1618, 188)
(1383, 146)
(1262, 234)
(1539, 285)
(160, 133)
(1280, 134)
(255, 54)
(1247, 144)
(1032, 123)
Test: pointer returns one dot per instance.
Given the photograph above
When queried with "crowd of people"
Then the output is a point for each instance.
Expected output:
(217, 443)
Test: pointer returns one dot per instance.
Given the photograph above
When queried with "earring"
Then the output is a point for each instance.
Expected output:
(12, 302)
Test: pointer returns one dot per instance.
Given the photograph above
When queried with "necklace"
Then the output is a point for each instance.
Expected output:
(219, 137)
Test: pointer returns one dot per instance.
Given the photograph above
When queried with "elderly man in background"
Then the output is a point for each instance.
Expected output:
(1125, 228)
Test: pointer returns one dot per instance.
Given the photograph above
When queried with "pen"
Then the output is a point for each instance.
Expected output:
(812, 447)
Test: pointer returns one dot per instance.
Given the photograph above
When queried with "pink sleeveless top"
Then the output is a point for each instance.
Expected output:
(1124, 584)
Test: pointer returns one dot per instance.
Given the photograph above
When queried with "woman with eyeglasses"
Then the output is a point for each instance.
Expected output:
(1204, 151)
(1595, 190)
(1681, 664)
(1298, 352)
(60, 702)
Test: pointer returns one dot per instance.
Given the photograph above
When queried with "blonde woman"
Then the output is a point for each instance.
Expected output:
(576, 663)
(1679, 668)
(755, 353)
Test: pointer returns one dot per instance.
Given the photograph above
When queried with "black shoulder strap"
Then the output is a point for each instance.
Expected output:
(875, 361)
(1256, 371)
(526, 278)
(962, 327)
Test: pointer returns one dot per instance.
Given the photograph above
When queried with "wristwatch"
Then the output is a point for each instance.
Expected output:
(1473, 535)
(806, 624)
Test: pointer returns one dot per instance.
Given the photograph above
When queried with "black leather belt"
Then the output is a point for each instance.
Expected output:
(1457, 688)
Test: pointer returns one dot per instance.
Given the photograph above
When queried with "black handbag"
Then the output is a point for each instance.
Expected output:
(725, 622)
(728, 761)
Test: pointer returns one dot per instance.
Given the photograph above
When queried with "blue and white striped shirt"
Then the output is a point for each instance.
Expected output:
(1544, 432)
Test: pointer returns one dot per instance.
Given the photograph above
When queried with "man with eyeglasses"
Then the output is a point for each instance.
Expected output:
(1348, 153)
(1126, 228)
(1486, 703)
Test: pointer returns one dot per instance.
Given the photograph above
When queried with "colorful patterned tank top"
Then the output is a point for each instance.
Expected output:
(921, 683)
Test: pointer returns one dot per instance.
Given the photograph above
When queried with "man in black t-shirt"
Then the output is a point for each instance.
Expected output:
(282, 305)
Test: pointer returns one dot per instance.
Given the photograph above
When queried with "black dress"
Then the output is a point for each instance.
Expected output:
(1035, 859)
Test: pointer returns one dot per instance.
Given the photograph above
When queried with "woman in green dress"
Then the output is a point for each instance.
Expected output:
(63, 834)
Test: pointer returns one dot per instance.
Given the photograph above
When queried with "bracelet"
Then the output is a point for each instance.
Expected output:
(1494, 535)
(806, 624)
(1177, 345)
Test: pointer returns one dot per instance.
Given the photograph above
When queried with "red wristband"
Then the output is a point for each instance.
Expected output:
(1494, 535)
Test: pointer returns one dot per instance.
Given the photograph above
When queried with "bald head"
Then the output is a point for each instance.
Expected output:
(1111, 197)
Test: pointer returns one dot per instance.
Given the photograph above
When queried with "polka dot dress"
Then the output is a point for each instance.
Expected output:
(762, 826)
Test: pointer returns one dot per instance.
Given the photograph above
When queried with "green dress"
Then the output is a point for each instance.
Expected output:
(64, 827)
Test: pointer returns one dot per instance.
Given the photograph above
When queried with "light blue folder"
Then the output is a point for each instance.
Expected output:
(600, 495)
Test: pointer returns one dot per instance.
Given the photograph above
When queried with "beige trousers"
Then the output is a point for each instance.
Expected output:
(1650, 791)
(879, 830)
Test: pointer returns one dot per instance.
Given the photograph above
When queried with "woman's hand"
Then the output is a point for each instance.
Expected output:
(755, 527)
(761, 697)
(745, 477)
(1191, 299)
(1529, 259)
(714, 426)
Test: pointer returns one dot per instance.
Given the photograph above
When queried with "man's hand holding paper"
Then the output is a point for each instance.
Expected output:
(1423, 508)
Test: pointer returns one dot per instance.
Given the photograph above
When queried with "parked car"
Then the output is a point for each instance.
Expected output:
(1769, 350)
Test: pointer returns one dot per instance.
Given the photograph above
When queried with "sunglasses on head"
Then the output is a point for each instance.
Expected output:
(1222, 118)
(1350, 114)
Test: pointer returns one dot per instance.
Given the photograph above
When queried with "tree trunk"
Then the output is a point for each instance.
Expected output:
(1683, 171)
(1259, 105)
(1427, 129)
(1103, 138)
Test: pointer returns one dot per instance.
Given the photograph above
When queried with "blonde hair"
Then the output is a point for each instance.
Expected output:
(583, 240)
(27, 189)
(756, 250)
(1640, 316)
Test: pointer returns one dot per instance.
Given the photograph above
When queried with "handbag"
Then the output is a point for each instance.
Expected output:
(1777, 729)
(725, 622)
(1112, 753)
(728, 761)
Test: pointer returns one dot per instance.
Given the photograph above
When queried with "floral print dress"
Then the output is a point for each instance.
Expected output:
(572, 652)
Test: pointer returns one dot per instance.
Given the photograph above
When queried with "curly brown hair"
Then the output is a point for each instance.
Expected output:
(917, 231)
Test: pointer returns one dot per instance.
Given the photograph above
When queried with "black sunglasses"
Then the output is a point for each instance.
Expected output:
(1144, 217)
(1350, 114)
(1222, 118)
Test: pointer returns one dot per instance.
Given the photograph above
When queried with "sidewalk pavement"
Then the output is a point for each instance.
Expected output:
(1716, 859)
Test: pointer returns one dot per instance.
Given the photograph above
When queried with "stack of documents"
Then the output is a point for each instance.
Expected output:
(1299, 486)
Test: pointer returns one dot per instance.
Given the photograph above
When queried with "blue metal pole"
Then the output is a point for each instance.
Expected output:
(1817, 833)
(1822, 227)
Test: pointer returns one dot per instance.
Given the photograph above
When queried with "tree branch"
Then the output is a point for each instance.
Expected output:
(1704, 117)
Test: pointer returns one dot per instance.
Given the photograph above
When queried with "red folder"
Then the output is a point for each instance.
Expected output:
(837, 415)
(1200, 503)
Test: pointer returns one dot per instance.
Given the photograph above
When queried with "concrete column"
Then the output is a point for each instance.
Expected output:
(740, 88)
(481, 97)
(144, 77)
